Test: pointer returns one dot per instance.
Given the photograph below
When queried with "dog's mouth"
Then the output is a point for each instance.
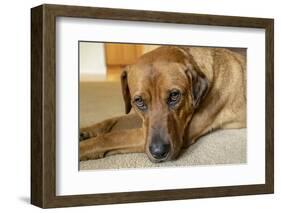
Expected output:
(158, 160)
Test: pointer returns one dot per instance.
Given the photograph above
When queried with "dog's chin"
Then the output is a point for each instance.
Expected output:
(156, 160)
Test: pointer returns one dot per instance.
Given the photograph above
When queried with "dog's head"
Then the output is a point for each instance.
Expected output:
(164, 87)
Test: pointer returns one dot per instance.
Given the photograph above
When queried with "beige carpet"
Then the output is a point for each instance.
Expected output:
(101, 100)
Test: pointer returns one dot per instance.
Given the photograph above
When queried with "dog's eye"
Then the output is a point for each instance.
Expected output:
(140, 103)
(174, 97)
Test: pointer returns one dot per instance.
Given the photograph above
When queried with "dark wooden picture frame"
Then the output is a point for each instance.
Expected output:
(43, 105)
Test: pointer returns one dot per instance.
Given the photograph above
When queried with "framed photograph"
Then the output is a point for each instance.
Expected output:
(136, 106)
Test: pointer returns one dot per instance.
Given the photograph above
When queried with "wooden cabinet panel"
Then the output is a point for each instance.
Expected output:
(122, 54)
(118, 56)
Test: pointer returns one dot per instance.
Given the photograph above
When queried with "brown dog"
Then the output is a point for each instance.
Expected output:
(178, 94)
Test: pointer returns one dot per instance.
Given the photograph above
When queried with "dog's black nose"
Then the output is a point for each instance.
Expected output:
(159, 150)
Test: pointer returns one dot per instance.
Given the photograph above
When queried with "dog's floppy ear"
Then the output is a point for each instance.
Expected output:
(200, 86)
(125, 90)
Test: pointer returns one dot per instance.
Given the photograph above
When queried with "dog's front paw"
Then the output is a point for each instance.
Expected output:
(91, 156)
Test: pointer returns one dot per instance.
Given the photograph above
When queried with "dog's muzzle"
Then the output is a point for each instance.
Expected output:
(159, 148)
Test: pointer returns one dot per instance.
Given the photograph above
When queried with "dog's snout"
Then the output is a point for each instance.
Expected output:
(158, 148)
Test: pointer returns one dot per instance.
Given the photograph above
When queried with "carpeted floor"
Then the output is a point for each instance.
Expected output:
(102, 100)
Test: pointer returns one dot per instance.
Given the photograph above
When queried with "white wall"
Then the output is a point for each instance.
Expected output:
(148, 48)
(15, 106)
(92, 59)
